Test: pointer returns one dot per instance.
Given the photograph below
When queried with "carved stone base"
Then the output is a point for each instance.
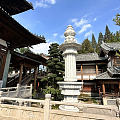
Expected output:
(71, 91)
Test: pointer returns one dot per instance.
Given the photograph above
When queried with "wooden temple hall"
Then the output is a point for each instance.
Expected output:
(100, 73)
(12, 36)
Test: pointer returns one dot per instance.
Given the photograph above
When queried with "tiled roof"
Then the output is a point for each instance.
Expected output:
(110, 46)
(105, 75)
(114, 71)
(89, 57)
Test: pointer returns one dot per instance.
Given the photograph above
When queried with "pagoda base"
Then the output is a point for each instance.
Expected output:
(71, 91)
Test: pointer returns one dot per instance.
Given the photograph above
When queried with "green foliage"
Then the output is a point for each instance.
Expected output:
(108, 35)
(86, 98)
(86, 47)
(56, 93)
(117, 19)
(23, 50)
(100, 38)
(94, 44)
(34, 94)
(55, 68)
(55, 64)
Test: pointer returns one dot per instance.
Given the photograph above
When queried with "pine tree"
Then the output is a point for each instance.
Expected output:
(117, 36)
(107, 36)
(87, 47)
(55, 67)
(100, 38)
(94, 44)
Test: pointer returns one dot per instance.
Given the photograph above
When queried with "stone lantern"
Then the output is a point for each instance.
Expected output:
(70, 87)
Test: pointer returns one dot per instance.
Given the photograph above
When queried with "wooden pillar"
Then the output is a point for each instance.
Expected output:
(2, 66)
(96, 69)
(81, 72)
(82, 76)
(20, 75)
(99, 92)
(35, 77)
(103, 87)
(119, 87)
(6, 69)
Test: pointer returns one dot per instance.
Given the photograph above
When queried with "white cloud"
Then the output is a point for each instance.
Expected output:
(55, 34)
(51, 1)
(115, 9)
(44, 3)
(94, 19)
(88, 33)
(80, 22)
(41, 48)
(84, 28)
(62, 36)
(40, 4)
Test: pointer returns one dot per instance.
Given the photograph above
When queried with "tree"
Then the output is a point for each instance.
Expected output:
(23, 50)
(55, 67)
(86, 47)
(107, 36)
(94, 44)
(100, 38)
(117, 19)
(117, 36)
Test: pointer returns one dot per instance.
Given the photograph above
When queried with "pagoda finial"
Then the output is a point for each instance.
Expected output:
(69, 35)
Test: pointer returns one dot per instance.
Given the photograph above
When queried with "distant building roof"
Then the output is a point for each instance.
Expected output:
(89, 57)
(106, 47)
(13, 7)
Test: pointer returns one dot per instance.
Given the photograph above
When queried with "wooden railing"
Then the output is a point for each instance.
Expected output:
(86, 76)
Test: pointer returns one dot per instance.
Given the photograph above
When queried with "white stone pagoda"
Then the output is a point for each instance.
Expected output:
(70, 87)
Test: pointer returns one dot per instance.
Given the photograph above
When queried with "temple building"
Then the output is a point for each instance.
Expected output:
(25, 69)
(109, 81)
(13, 35)
(88, 67)
(100, 74)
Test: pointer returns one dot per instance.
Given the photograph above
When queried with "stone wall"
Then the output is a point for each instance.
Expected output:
(12, 112)
(43, 110)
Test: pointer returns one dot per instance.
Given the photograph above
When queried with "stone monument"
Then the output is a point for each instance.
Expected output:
(70, 87)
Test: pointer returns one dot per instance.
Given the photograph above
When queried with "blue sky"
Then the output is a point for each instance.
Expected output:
(51, 17)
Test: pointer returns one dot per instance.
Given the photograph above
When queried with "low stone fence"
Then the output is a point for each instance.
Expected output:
(17, 92)
(44, 111)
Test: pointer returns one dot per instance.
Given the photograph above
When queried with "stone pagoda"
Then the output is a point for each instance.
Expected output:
(70, 87)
